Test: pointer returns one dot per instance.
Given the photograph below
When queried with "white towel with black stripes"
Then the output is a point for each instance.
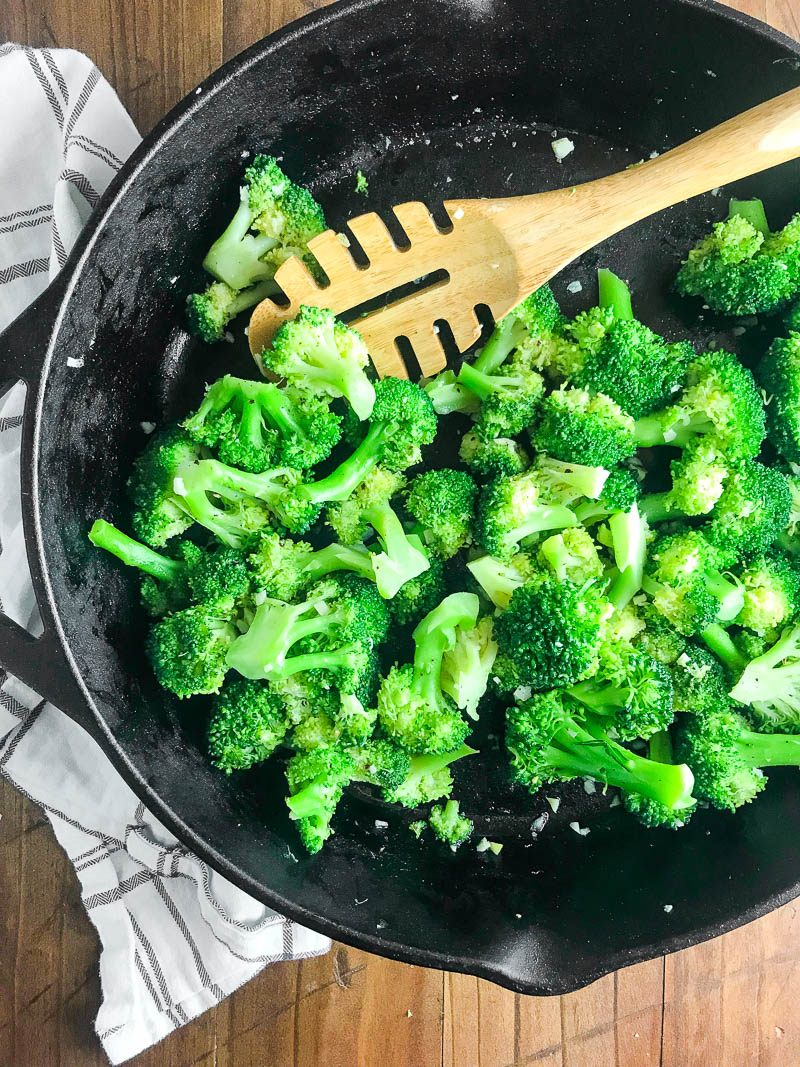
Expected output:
(175, 937)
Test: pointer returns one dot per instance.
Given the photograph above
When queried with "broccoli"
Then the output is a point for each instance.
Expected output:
(362, 185)
(158, 514)
(488, 459)
(698, 479)
(334, 630)
(428, 778)
(256, 425)
(499, 579)
(550, 740)
(467, 665)
(380, 762)
(449, 825)
(651, 813)
(402, 557)
(720, 399)
(318, 353)
(208, 313)
(529, 325)
(740, 268)
(402, 420)
(549, 635)
(316, 782)
(629, 533)
(443, 501)
(661, 640)
(698, 681)
(619, 493)
(282, 568)
(188, 650)
(420, 595)
(771, 592)
(789, 538)
(509, 397)
(317, 728)
(168, 588)
(248, 722)
(631, 689)
(779, 373)
(448, 395)
(576, 426)
(770, 683)
(513, 508)
(413, 709)
(571, 555)
(752, 510)
(726, 756)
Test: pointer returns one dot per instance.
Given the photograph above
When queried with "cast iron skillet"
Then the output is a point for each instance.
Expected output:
(414, 94)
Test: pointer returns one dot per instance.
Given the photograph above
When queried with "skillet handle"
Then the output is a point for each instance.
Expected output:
(40, 662)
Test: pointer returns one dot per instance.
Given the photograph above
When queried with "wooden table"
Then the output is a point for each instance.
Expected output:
(729, 1003)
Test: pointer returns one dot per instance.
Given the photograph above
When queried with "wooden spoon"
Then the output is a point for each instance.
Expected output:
(499, 250)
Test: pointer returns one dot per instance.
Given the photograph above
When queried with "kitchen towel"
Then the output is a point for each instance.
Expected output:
(176, 938)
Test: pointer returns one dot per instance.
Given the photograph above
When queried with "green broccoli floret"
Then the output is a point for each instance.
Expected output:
(752, 510)
(651, 813)
(319, 354)
(770, 684)
(318, 728)
(578, 427)
(256, 425)
(771, 591)
(498, 579)
(726, 756)
(449, 825)
(489, 459)
(661, 640)
(551, 740)
(528, 325)
(428, 778)
(208, 313)
(402, 421)
(549, 635)
(158, 514)
(509, 397)
(316, 782)
(419, 596)
(443, 501)
(467, 665)
(513, 508)
(571, 555)
(413, 709)
(248, 722)
(720, 399)
(403, 557)
(779, 373)
(188, 649)
(698, 479)
(698, 681)
(380, 762)
(334, 630)
(306, 695)
(282, 568)
(274, 221)
(791, 317)
(448, 395)
(741, 269)
(631, 690)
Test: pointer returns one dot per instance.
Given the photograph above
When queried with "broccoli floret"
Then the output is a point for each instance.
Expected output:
(305, 695)
(571, 555)
(499, 579)
(467, 665)
(248, 722)
(779, 373)
(651, 813)
(402, 557)
(316, 782)
(509, 397)
(550, 740)
(791, 317)
(549, 635)
(771, 592)
(661, 640)
(157, 511)
(513, 508)
(528, 325)
(449, 825)
(428, 778)
(698, 681)
(737, 270)
(334, 630)
(726, 756)
(412, 707)
(752, 510)
(256, 425)
(578, 427)
(282, 568)
(631, 689)
(720, 399)
(319, 354)
(770, 684)
(380, 762)
(489, 459)
(283, 218)
(420, 595)
(208, 313)
(402, 421)
(443, 501)
(698, 478)
(188, 649)
(448, 395)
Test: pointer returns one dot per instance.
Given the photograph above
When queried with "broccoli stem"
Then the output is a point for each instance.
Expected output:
(729, 595)
(336, 557)
(400, 560)
(656, 507)
(508, 333)
(234, 258)
(434, 635)
(426, 764)
(753, 211)
(342, 482)
(497, 579)
(719, 641)
(659, 747)
(768, 750)
(628, 536)
(614, 294)
(542, 517)
(262, 651)
(649, 431)
(478, 382)
(134, 553)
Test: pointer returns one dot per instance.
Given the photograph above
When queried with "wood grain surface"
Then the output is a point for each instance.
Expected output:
(728, 1003)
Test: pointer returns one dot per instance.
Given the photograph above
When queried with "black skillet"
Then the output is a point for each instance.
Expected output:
(431, 99)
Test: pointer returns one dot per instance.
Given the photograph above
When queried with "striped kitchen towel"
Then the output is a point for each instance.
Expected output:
(175, 936)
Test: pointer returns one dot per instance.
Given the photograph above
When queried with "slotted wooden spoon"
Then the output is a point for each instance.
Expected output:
(499, 250)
